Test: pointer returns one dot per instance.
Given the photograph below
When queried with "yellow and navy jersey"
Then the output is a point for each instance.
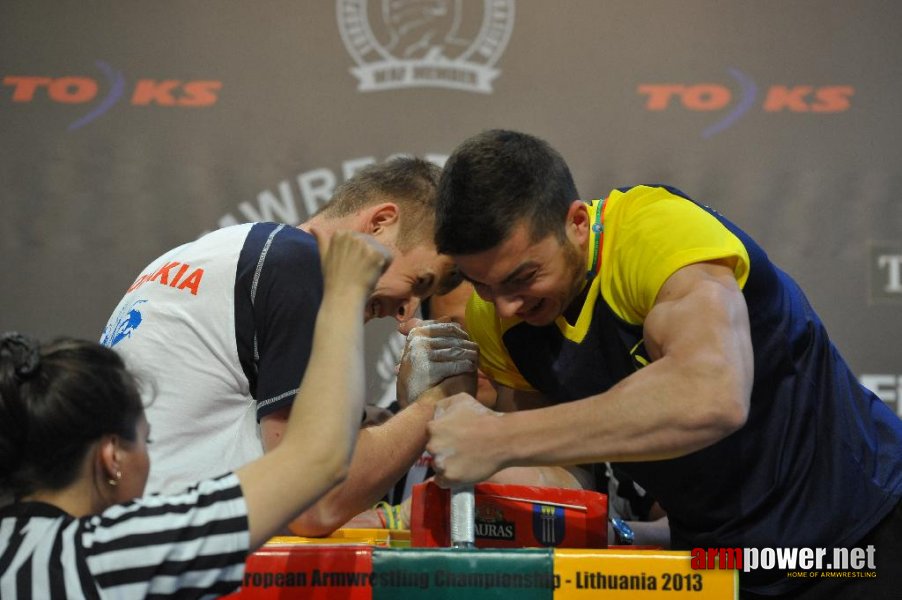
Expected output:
(815, 442)
(663, 232)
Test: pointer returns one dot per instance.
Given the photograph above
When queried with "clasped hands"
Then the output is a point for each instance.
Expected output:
(438, 360)
(438, 365)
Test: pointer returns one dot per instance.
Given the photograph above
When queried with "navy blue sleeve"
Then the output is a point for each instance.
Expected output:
(278, 290)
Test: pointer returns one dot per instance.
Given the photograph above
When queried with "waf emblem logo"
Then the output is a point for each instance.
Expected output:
(548, 524)
(425, 43)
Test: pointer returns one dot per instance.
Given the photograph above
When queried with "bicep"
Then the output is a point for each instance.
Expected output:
(700, 320)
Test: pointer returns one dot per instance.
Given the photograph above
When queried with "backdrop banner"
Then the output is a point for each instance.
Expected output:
(130, 128)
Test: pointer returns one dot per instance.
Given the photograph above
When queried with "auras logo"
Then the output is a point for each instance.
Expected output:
(100, 94)
(745, 97)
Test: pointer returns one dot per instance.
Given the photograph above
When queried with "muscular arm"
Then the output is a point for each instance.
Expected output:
(573, 477)
(695, 392)
(316, 449)
(381, 457)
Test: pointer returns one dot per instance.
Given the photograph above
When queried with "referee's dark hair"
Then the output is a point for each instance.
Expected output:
(55, 401)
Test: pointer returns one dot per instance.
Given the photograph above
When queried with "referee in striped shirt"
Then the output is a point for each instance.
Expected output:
(73, 454)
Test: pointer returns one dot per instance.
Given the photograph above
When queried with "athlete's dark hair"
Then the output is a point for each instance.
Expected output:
(408, 181)
(55, 401)
(494, 179)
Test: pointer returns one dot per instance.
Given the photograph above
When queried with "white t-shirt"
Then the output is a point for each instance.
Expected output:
(220, 331)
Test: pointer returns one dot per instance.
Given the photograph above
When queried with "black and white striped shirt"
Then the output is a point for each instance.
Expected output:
(190, 545)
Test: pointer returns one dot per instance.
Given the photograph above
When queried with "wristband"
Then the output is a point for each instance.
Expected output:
(623, 533)
(389, 516)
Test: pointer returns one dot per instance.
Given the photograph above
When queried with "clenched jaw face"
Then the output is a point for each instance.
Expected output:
(532, 280)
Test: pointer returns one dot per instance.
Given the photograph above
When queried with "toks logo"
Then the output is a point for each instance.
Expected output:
(715, 96)
(83, 90)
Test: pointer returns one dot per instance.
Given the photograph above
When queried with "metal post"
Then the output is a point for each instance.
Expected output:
(463, 517)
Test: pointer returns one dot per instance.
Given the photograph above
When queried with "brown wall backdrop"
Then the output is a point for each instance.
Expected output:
(129, 128)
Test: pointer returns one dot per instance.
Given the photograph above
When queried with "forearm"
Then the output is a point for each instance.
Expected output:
(663, 411)
(695, 391)
(319, 437)
(320, 427)
(321, 431)
(382, 456)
